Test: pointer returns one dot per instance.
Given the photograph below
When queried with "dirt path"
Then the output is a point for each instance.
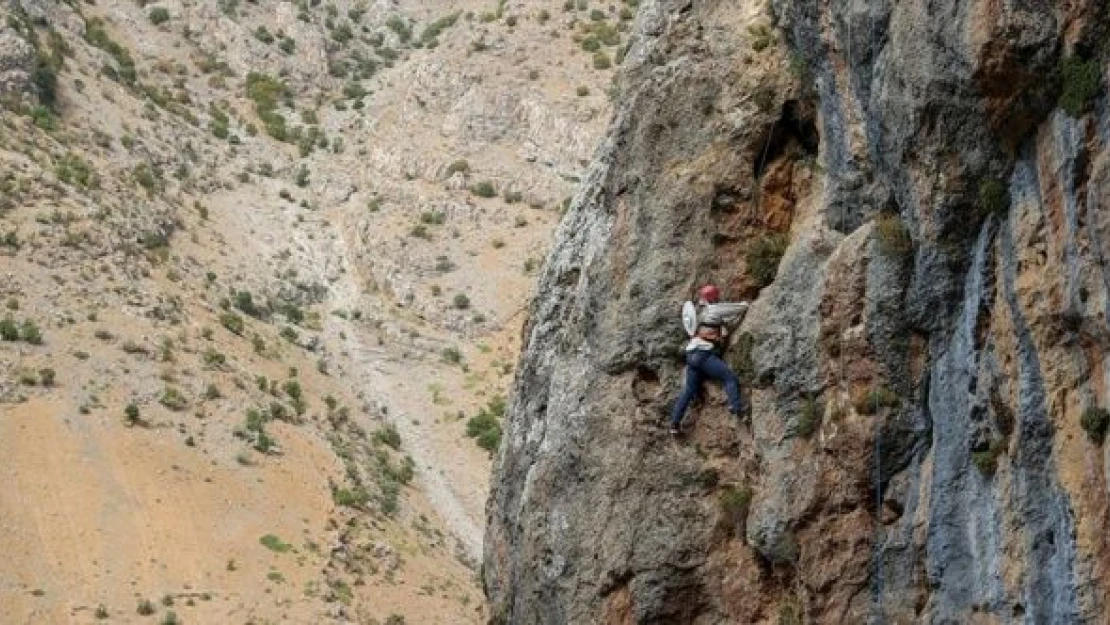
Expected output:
(384, 375)
(452, 472)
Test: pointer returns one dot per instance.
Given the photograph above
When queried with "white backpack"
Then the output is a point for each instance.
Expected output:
(719, 314)
(690, 318)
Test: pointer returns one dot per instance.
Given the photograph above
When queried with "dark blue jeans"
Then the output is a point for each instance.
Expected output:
(700, 365)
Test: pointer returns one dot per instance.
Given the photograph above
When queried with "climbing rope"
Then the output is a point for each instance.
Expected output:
(877, 587)
(757, 177)
(879, 533)
(878, 598)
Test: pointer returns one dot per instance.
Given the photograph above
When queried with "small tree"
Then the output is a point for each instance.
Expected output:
(131, 415)
(9, 331)
(145, 607)
(159, 15)
(484, 189)
(1095, 422)
(31, 332)
(764, 255)
(233, 322)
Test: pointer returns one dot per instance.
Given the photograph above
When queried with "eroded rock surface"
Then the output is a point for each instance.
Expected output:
(918, 362)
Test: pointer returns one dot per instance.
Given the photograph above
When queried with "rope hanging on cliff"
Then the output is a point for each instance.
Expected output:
(879, 534)
(762, 165)
(877, 589)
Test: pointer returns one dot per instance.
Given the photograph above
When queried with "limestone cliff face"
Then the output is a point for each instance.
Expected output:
(935, 175)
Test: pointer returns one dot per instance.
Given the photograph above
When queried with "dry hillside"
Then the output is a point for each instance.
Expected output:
(263, 264)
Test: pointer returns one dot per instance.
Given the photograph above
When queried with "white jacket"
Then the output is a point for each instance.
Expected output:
(721, 314)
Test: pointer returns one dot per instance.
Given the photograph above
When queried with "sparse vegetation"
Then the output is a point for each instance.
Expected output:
(125, 70)
(266, 92)
(184, 121)
(72, 169)
(398, 25)
(357, 497)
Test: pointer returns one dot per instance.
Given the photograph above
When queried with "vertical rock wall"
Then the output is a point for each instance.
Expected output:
(918, 363)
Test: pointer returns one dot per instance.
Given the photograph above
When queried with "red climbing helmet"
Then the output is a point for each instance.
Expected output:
(709, 293)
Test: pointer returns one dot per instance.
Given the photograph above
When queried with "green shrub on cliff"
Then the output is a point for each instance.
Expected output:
(892, 235)
(761, 36)
(9, 329)
(790, 612)
(485, 427)
(809, 418)
(1080, 81)
(741, 359)
(389, 436)
(159, 15)
(1095, 422)
(734, 503)
(484, 189)
(764, 256)
(993, 197)
(145, 608)
(868, 402)
(987, 459)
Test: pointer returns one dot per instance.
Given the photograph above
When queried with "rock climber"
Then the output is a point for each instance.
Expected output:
(703, 352)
